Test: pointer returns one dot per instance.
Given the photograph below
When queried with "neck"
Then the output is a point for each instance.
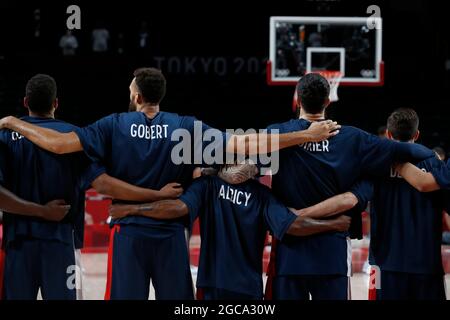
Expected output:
(49, 114)
(149, 110)
(312, 117)
(408, 141)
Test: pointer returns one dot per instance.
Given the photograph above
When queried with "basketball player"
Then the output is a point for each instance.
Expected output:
(406, 225)
(234, 220)
(136, 147)
(54, 210)
(39, 253)
(319, 265)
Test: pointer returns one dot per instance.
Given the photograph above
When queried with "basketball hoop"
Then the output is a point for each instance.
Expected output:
(334, 78)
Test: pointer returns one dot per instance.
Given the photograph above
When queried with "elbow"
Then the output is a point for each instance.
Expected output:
(101, 186)
(424, 187)
(350, 201)
(57, 150)
(56, 147)
(421, 187)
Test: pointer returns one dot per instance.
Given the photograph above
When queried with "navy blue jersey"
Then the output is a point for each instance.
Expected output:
(138, 150)
(442, 175)
(234, 220)
(313, 172)
(40, 176)
(406, 225)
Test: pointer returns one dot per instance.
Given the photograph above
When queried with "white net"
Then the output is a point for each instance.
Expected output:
(334, 78)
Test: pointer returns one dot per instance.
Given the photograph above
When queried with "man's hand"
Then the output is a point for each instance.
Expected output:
(323, 130)
(55, 210)
(342, 223)
(171, 191)
(118, 211)
(4, 122)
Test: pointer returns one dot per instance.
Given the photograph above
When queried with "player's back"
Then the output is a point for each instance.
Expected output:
(320, 170)
(139, 150)
(234, 220)
(40, 176)
(141, 153)
(406, 225)
(313, 172)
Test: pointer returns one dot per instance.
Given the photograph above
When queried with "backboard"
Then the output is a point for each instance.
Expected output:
(351, 45)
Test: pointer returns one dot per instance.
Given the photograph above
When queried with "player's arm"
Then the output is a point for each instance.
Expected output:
(122, 190)
(250, 144)
(164, 209)
(52, 211)
(304, 226)
(422, 181)
(329, 207)
(358, 195)
(47, 139)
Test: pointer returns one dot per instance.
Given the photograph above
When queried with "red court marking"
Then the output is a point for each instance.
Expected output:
(2, 269)
(372, 285)
(110, 260)
(200, 295)
(271, 271)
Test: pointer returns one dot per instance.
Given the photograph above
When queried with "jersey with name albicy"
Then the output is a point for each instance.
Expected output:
(313, 172)
(234, 220)
(40, 176)
(138, 150)
(406, 225)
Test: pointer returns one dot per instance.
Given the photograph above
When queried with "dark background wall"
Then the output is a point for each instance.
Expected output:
(214, 57)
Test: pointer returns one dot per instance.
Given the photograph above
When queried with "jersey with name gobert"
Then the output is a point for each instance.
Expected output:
(150, 153)
(315, 171)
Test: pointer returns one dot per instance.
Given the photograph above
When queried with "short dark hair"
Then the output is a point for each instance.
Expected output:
(41, 92)
(403, 124)
(313, 90)
(151, 84)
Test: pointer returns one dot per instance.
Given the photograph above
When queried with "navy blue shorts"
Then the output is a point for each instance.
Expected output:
(222, 294)
(320, 287)
(410, 286)
(133, 261)
(33, 264)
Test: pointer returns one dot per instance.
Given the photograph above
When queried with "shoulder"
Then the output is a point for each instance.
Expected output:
(200, 184)
(431, 162)
(263, 190)
(356, 131)
(291, 125)
(55, 124)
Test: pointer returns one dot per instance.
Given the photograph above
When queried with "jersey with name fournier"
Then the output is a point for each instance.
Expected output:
(313, 172)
